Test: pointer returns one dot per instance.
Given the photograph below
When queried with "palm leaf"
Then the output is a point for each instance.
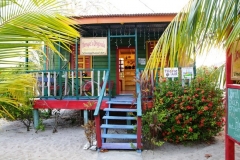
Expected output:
(200, 26)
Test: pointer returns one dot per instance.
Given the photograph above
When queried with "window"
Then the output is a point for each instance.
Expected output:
(84, 62)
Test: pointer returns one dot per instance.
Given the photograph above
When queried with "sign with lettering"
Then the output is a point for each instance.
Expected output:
(171, 72)
(235, 68)
(93, 46)
(187, 73)
(234, 114)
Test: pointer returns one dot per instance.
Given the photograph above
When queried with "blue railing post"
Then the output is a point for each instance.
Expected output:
(139, 113)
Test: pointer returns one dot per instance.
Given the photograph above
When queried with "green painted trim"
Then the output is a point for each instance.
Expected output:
(76, 66)
(85, 116)
(109, 60)
(136, 49)
(35, 118)
(59, 71)
(45, 58)
(119, 36)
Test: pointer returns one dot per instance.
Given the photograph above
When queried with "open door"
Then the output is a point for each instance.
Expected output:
(126, 69)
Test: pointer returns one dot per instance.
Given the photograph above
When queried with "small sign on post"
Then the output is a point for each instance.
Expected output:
(171, 72)
(187, 75)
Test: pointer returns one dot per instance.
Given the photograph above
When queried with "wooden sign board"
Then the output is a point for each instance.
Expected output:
(233, 129)
(93, 46)
(235, 68)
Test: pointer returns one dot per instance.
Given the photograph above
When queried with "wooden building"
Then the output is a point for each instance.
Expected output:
(100, 72)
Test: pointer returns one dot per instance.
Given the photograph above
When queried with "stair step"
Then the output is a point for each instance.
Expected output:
(119, 117)
(119, 146)
(120, 136)
(121, 102)
(120, 110)
(116, 126)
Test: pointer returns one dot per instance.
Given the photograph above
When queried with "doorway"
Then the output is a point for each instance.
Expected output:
(126, 69)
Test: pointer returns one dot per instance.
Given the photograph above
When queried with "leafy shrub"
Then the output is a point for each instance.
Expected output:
(192, 112)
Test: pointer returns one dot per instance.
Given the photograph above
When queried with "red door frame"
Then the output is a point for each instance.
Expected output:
(117, 67)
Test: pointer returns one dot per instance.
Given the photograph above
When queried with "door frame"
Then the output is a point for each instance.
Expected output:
(117, 67)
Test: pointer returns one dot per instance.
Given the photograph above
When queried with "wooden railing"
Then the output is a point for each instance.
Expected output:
(69, 83)
(97, 109)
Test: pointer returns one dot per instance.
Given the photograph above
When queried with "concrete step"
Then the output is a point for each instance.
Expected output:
(119, 146)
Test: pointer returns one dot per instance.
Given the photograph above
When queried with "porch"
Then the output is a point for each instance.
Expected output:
(55, 92)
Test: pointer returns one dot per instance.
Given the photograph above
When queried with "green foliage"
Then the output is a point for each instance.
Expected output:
(16, 100)
(152, 119)
(192, 112)
(25, 27)
(40, 126)
(198, 27)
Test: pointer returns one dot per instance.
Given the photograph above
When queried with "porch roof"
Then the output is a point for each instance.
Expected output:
(96, 25)
(125, 18)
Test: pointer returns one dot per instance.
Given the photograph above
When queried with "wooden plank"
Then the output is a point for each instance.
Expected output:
(120, 136)
(119, 145)
(119, 117)
(67, 104)
(120, 110)
(115, 126)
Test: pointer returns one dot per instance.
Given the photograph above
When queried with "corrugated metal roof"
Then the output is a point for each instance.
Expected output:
(125, 15)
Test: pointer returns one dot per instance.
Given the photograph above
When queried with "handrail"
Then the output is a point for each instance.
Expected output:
(96, 112)
(139, 96)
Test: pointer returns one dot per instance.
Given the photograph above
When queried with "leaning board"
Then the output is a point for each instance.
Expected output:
(234, 114)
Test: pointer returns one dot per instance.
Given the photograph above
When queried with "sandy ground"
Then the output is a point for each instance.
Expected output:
(67, 144)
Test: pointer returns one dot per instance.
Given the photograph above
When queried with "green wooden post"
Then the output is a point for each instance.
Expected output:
(60, 72)
(76, 66)
(109, 62)
(35, 118)
(85, 116)
(45, 58)
(136, 48)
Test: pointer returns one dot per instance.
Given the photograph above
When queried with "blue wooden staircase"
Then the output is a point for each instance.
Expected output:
(117, 112)
(119, 127)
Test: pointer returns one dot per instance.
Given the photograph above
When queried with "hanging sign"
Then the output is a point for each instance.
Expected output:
(187, 73)
(93, 46)
(171, 72)
(142, 61)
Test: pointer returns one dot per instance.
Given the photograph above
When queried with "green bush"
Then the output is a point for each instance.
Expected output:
(193, 112)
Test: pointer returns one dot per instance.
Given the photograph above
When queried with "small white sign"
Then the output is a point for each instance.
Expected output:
(171, 72)
(187, 73)
(142, 61)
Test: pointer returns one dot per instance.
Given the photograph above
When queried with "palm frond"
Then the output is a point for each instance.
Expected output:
(200, 26)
